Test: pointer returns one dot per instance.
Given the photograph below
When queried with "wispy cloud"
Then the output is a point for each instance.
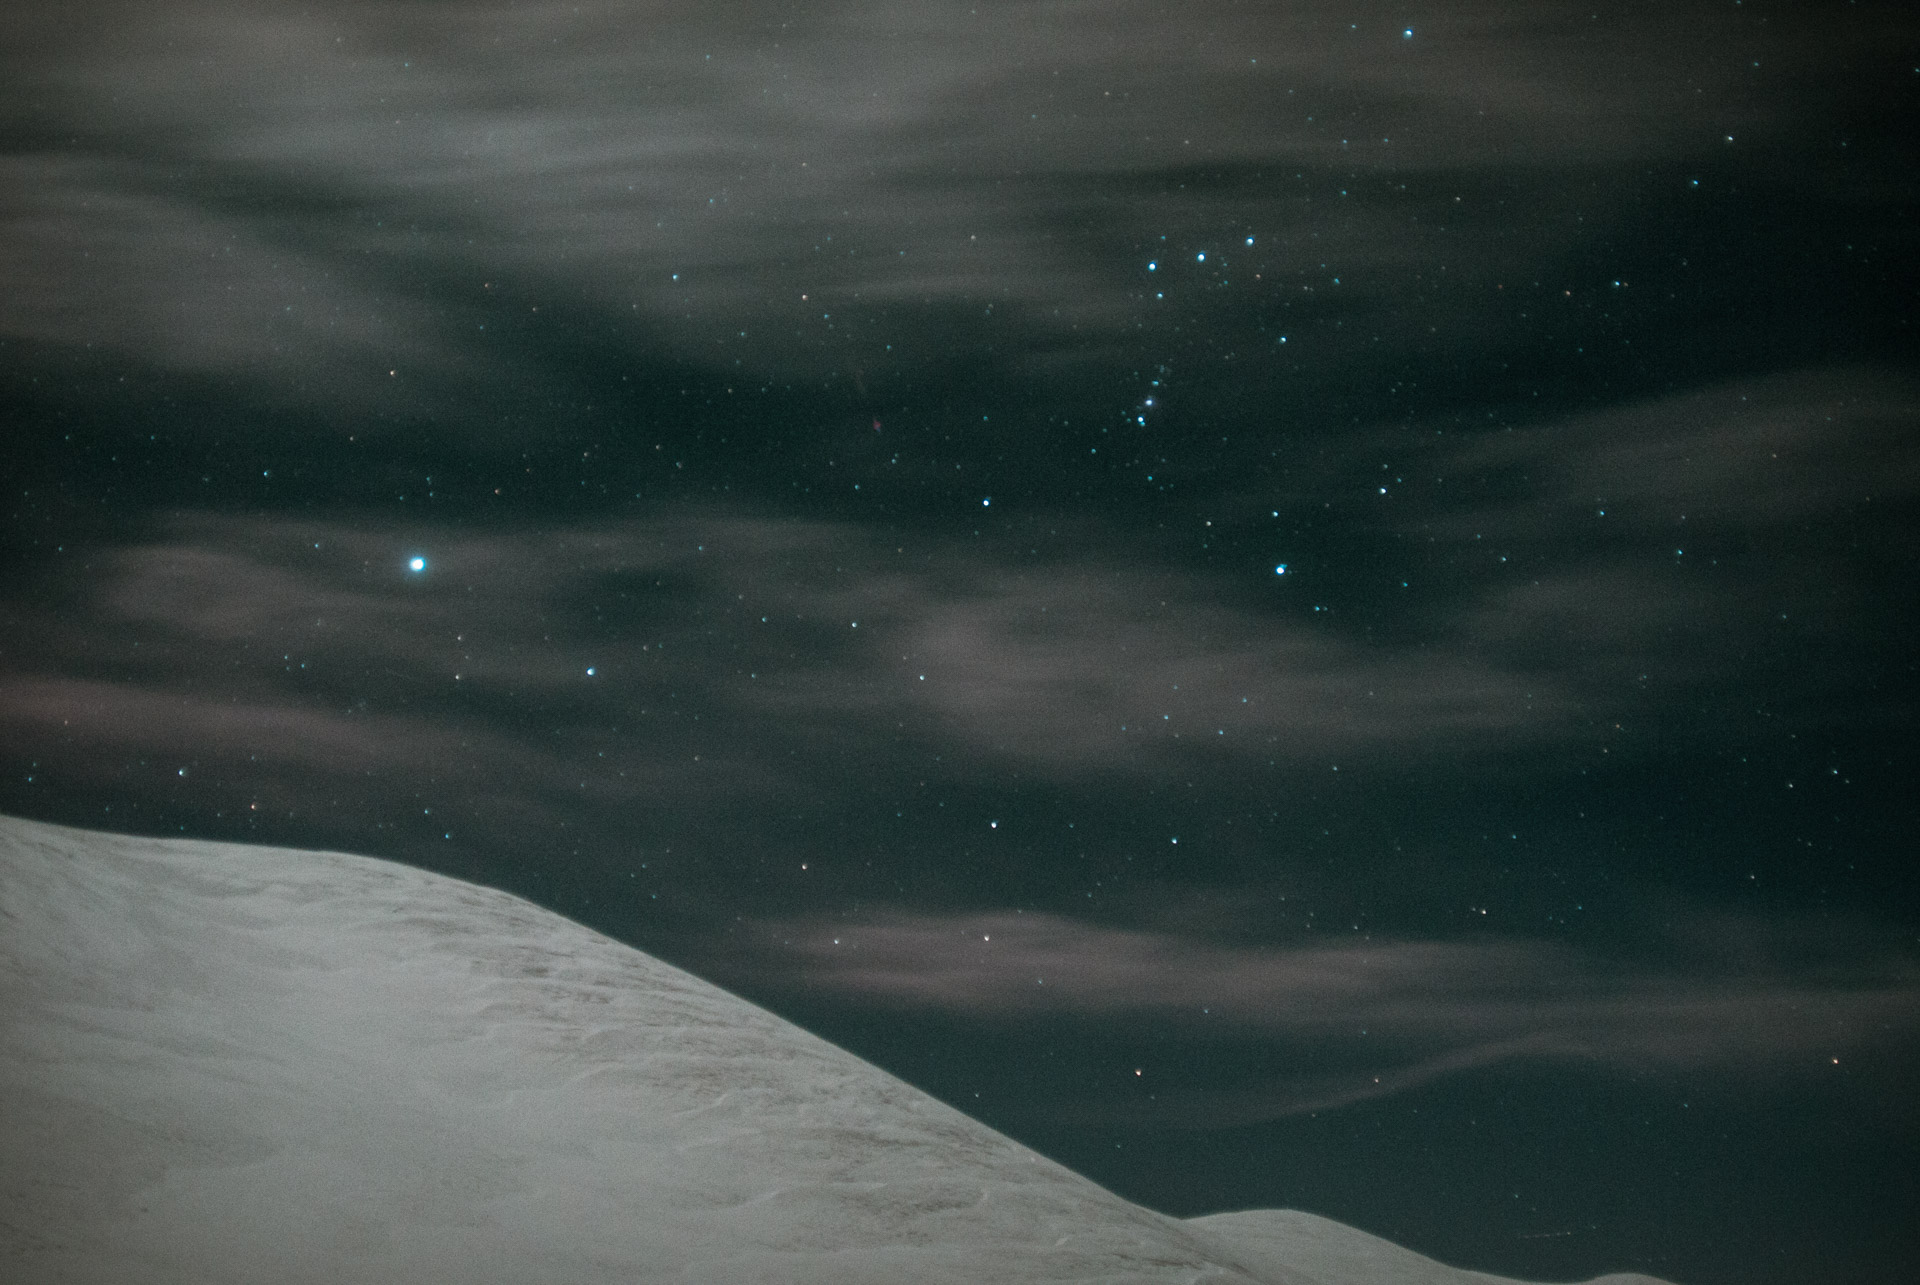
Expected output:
(309, 200)
(1365, 1018)
(1104, 667)
(108, 256)
(1640, 551)
(1085, 668)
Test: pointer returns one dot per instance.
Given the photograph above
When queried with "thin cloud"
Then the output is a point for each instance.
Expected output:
(1088, 667)
(1426, 1009)
(1091, 664)
(106, 255)
(1643, 552)
(729, 189)
(1747, 455)
(1101, 667)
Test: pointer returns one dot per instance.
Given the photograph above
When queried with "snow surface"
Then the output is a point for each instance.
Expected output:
(222, 1063)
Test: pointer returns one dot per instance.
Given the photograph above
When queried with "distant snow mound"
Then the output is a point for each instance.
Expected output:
(1288, 1245)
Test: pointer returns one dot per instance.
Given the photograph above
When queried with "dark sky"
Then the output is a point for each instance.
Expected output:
(1295, 604)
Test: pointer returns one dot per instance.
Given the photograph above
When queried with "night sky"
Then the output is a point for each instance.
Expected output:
(1297, 605)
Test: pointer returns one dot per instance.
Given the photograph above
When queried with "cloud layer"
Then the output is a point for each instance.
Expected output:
(347, 209)
(1098, 662)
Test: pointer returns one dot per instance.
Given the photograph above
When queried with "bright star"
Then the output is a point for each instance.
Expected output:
(416, 564)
